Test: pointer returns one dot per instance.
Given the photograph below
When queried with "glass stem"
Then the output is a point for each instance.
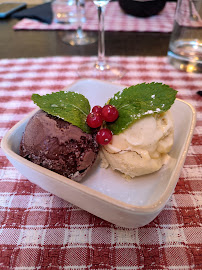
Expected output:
(101, 39)
(79, 7)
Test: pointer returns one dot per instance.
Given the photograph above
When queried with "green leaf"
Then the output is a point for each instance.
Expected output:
(70, 106)
(138, 101)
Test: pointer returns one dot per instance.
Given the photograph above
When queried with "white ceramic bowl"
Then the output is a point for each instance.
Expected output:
(103, 192)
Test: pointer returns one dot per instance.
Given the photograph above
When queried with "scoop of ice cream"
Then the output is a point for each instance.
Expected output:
(58, 145)
(142, 148)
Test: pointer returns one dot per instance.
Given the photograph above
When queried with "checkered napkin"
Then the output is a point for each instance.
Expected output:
(115, 20)
(41, 231)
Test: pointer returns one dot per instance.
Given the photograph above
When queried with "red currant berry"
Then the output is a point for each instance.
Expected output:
(109, 113)
(104, 136)
(94, 120)
(97, 109)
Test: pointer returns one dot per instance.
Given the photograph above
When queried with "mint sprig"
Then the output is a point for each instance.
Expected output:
(138, 101)
(132, 103)
(70, 106)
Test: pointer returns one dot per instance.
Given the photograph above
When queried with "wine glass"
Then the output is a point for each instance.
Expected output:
(79, 37)
(101, 69)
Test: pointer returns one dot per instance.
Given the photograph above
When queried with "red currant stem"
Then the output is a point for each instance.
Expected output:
(108, 101)
(103, 125)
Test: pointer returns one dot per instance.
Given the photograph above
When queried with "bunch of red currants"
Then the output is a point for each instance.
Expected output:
(95, 119)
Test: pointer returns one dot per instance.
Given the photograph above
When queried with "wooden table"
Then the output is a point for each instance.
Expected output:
(16, 44)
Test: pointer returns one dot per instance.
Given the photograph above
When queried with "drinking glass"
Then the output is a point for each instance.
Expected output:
(185, 47)
(64, 11)
(101, 69)
(79, 37)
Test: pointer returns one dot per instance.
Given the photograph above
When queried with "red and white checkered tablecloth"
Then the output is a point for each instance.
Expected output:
(41, 231)
(115, 20)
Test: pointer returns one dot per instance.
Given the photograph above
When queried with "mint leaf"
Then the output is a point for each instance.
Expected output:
(138, 101)
(70, 106)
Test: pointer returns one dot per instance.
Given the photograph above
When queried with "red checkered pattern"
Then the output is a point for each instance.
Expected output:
(41, 231)
(115, 20)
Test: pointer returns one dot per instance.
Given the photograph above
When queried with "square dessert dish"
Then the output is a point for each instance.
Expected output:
(104, 192)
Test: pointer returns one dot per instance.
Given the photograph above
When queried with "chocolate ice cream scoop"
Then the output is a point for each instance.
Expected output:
(58, 146)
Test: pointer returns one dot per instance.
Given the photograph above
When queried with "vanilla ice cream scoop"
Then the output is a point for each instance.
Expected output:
(142, 148)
